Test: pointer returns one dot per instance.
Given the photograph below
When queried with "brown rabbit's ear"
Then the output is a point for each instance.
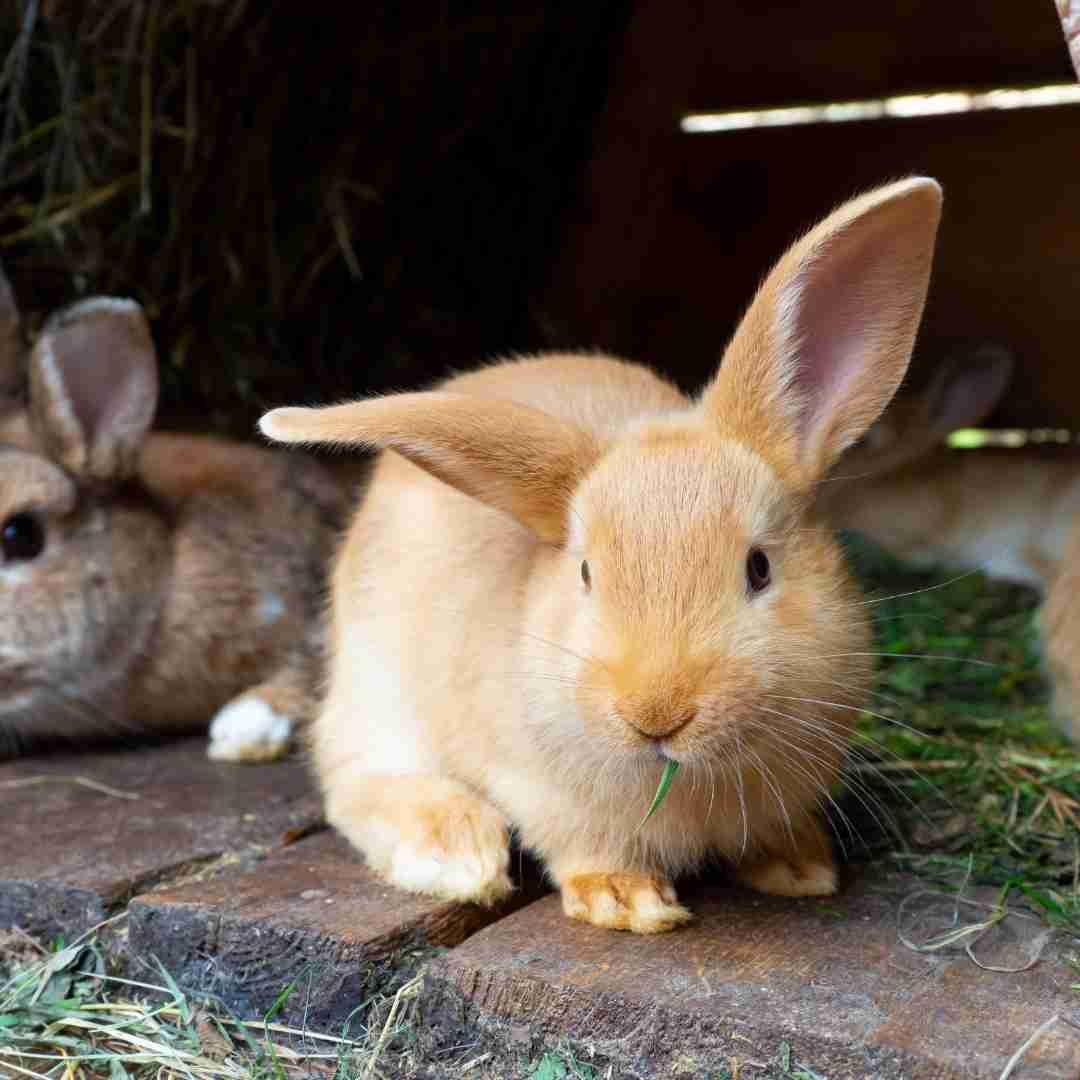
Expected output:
(967, 388)
(827, 339)
(11, 344)
(513, 457)
(963, 391)
(94, 387)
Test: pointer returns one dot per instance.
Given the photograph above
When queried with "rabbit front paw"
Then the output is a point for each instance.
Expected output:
(457, 850)
(428, 835)
(641, 903)
(248, 730)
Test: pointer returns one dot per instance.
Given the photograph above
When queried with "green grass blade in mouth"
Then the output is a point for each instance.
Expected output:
(670, 769)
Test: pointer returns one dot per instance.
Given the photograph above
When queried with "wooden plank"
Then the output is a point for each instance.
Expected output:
(310, 914)
(828, 978)
(778, 53)
(83, 832)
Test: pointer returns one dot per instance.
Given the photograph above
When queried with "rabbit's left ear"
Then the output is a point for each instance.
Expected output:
(827, 339)
(94, 388)
(11, 344)
(518, 459)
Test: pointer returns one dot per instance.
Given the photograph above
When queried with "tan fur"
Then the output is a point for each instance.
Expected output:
(179, 572)
(1012, 513)
(643, 903)
(476, 679)
(1060, 625)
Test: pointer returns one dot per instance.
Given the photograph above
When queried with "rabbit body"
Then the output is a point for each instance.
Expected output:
(565, 575)
(477, 668)
(151, 580)
(1009, 513)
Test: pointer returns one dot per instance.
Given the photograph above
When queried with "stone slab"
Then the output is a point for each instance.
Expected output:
(310, 914)
(82, 833)
(828, 978)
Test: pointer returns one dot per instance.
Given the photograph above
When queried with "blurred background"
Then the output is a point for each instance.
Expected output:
(355, 198)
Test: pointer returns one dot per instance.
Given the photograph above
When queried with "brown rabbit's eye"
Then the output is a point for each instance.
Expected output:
(586, 577)
(22, 538)
(757, 570)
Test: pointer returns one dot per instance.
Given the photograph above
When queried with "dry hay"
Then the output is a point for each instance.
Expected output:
(297, 201)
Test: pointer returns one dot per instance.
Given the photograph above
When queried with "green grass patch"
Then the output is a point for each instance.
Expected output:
(960, 754)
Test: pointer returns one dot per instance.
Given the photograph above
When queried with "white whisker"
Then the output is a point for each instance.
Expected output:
(928, 588)
(850, 708)
(911, 656)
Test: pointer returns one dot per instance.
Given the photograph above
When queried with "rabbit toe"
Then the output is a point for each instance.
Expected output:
(248, 730)
(790, 877)
(641, 903)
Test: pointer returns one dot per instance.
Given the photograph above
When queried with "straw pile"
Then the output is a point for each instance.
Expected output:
(308, 201)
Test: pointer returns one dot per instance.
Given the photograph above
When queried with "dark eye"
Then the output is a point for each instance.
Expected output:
(22, 538)
(757, 570)
(586, 577)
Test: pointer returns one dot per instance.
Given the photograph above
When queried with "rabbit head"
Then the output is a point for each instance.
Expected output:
(82, 554)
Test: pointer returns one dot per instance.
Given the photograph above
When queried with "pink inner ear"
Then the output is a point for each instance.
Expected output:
(837, 323)
(92, 374)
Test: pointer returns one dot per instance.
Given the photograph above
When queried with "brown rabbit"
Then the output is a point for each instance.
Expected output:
(1013, 513)
(148, 581)
(565, 576)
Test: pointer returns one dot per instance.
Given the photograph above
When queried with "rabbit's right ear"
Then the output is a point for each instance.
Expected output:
(94, 388)
(513, 457)
(827, 339)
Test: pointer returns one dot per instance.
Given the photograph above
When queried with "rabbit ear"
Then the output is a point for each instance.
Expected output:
(11, 343)
(967, 388)
(513, 457)
(827, 339)
(94, 387)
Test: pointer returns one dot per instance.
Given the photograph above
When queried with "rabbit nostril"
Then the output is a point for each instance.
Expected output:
(681, 719)
(655, 722)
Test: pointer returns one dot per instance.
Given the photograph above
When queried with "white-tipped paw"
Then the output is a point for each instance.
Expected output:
(247, 730)
(457, 849)
(641, 903)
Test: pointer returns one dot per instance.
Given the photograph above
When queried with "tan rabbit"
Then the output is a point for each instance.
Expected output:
(566, 575)
(1013, 513)
(147, 581)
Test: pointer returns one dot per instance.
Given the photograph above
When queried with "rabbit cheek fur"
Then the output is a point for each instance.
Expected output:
(551, 587)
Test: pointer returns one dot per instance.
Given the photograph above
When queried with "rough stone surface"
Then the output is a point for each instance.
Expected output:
(828, 978)
(82, 833)
(310, 914)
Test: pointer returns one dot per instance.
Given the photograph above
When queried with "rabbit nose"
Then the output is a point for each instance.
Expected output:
(655, 720)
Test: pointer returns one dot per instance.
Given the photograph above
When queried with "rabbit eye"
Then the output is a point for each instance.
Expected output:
(22, 538)
(757, 570)
(586, 577)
